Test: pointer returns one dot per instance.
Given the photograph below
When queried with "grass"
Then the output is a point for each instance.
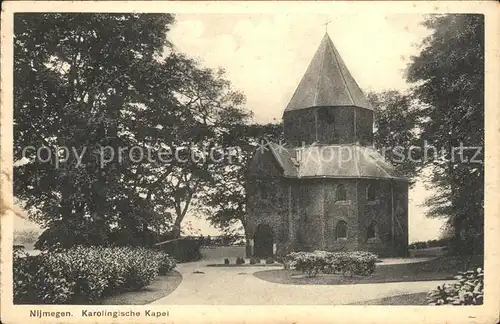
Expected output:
(443, 268)
(232, 265)
(407, 299)
(160, 287)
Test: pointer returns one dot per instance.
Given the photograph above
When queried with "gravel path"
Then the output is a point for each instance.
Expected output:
(238, 286)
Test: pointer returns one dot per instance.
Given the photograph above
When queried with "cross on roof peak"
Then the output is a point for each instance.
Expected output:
(326, 25)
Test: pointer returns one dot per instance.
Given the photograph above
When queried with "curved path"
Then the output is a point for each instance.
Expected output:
(238, 286)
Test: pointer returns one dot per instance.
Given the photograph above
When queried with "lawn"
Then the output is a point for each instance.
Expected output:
(160, 287)
(443, 268)
(408, 299)
(246, 264)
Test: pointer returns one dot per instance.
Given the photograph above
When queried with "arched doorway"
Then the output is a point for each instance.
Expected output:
(263, 241)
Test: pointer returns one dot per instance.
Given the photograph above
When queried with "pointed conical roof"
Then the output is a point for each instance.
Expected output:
(327, 82)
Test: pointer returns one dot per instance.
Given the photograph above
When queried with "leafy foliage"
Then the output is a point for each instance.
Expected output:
(469, 290)
(448, 77)
(396, 122)
(84, 274)
(269, 260)
(102, 85)
(429, 243)
(312, 263)
(254, 260)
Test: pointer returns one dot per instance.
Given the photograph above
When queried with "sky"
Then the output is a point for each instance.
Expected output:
(265, 57)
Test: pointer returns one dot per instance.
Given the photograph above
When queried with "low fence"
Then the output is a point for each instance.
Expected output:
(428, 252)
(222, 240)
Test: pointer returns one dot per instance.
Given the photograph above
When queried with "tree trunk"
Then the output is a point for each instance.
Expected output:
(176, 230)
(457, 239)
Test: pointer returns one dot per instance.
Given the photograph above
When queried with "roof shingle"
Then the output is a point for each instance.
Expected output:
(333, 161)
(327, 82)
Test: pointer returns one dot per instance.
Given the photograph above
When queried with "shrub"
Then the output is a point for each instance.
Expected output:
(226, 261)
(312, 263)
(254, 260)
(430, 243)
(240, 261)
(467, 291)
(270, 260)
(82, 275)
(167, 264)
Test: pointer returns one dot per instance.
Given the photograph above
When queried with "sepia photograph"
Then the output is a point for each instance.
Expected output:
(274, 158)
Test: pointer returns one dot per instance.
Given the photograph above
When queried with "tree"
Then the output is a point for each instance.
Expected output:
(448, 77)
(212, 110)
(225, 198)
(396, 130)
(94, 94)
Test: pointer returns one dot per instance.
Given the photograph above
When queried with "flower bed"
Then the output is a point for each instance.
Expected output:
(83, 275)
(312, 263)
(469, 290)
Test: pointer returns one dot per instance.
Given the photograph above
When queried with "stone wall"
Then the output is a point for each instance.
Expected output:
(364, 126)
(336, 211)
(401, 216)
(307, 197)
(311, 207)
(299, 127)
(380, 211)
(267, 197)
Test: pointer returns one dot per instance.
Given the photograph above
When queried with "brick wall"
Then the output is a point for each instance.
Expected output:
(266, 196)
(336, 211)
(307, 198)
(380, 210)
(315, 211)
(299, 126)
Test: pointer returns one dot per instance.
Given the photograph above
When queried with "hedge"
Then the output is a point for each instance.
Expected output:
(429, 244)
(469, 290)
(83, 275)
(312, 263)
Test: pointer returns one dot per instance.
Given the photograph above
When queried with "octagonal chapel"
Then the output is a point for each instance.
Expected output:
(326, 188)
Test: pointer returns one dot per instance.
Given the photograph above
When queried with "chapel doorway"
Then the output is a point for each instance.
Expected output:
(263, 241)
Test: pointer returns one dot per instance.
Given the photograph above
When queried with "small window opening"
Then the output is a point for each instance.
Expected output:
(341, 230)
(371, 193)
(371, 231)
(341, 194)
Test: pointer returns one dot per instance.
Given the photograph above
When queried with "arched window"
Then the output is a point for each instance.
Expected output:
(341, 230)
(371, 231)
(371, 192)
(341, 193)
